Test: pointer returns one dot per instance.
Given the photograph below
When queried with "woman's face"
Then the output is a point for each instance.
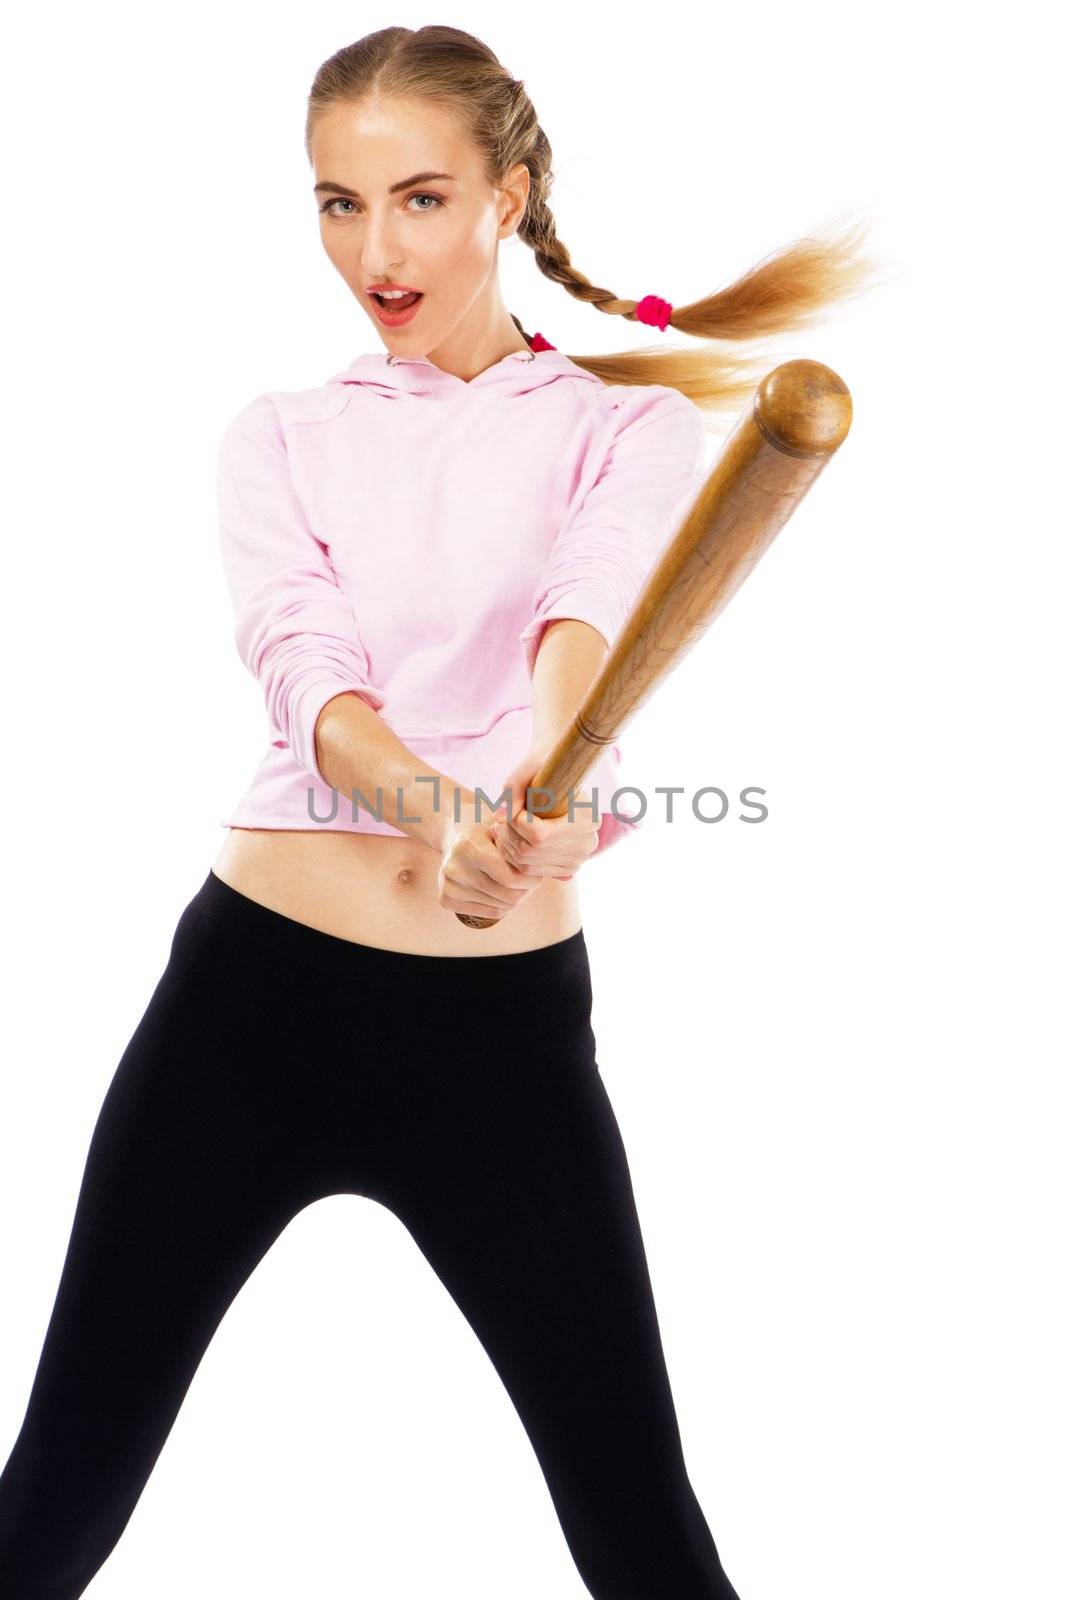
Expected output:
(438, 235)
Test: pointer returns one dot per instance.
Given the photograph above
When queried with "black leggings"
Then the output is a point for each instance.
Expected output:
(275, 1065)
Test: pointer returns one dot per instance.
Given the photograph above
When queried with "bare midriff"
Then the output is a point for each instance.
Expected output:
(382, 890)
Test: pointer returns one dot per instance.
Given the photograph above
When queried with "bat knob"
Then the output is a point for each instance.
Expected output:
(803, 408)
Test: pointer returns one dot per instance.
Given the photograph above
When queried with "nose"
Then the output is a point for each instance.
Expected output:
(380, 258)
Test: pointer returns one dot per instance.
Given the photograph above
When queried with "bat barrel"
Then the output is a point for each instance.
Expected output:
(799, 416)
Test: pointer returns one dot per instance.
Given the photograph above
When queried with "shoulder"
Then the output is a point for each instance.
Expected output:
(651, 415)
(269, 417)
(626, 404)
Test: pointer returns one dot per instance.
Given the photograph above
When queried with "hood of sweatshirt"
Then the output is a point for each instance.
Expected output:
(514, 374)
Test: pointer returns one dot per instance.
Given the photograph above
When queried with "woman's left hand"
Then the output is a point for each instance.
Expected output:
(549, 847)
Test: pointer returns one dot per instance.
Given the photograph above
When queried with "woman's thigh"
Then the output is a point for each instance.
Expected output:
(201, 1153)
(519, 1193)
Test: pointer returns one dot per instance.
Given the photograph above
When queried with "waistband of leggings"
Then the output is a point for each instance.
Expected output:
(251, 927)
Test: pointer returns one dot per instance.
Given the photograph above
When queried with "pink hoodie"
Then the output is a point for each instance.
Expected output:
(405, 534)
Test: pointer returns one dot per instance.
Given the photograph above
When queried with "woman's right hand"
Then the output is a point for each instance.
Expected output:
(474, 877)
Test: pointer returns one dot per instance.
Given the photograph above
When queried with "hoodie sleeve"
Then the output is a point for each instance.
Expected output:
(295, 626)
(610, 543)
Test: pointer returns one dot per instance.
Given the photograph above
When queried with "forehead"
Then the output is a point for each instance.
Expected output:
(380, 141)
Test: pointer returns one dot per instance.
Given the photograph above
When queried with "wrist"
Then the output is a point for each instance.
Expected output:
(457, 811)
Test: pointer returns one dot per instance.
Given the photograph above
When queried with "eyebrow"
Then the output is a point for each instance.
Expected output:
(394, 188)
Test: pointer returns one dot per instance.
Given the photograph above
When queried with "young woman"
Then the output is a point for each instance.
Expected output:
(429, 557)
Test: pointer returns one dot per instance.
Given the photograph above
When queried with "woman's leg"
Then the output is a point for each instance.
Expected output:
(516, 1186)
(192, 1171)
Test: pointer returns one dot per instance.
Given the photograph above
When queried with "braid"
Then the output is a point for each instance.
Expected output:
(538, 229)
(782, 293)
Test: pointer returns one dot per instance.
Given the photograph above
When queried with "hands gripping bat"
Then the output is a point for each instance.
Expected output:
(801, 413)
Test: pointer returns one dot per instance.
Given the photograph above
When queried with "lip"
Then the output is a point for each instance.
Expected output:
(395, 319)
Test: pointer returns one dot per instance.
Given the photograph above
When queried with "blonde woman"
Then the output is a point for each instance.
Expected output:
(429, 555)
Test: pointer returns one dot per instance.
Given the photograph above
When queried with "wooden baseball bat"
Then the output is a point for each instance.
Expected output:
(799, 416)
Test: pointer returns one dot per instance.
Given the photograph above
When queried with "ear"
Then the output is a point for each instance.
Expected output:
(514, 198)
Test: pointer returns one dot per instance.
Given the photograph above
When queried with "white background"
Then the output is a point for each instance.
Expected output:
(833, 1041)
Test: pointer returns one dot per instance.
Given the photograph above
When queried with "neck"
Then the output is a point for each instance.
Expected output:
(465, 356)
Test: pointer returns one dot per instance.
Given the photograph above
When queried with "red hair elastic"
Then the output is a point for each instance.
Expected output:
(539, 342)
(654, 311)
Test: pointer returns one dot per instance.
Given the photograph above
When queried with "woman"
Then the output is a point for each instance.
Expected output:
(429, 557)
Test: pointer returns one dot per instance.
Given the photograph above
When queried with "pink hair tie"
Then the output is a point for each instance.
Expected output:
(654, 311)
(539, 342)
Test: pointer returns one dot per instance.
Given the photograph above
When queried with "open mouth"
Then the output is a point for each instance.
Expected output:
(396, 303)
